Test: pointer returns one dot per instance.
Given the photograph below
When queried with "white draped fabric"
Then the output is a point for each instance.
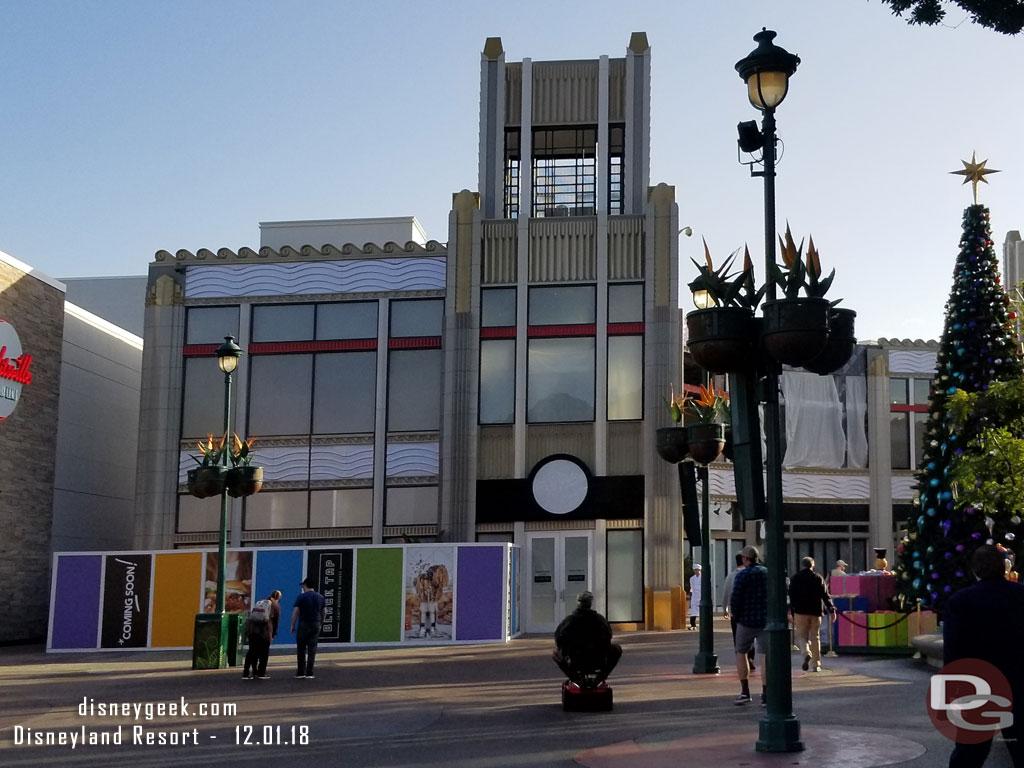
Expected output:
(856, 424)
(814, 421)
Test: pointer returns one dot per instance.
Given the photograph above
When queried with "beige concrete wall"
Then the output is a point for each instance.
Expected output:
(28, 447)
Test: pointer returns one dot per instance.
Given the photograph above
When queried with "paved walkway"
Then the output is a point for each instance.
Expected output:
(493, 706)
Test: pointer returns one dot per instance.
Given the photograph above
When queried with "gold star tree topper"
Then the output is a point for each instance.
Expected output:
(975, 172)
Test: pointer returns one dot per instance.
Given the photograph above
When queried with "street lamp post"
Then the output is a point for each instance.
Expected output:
(227, 358)
(766, 71)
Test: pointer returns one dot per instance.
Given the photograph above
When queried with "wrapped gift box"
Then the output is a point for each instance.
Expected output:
(852, 629)
(846, 585)
(921, 623)
(877, 588)
(837, 586)
(882, 628)
(903, 634)
(850, 603)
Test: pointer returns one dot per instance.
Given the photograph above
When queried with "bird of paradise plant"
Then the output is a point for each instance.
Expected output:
(710, 407)
(676, 404)
(814, 287)
(727, 290)
(240, 452)
(212, 451)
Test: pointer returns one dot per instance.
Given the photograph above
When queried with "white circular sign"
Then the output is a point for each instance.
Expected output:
(14, 369)
(560, 486)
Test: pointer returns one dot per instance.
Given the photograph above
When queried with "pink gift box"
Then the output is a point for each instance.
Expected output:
(921, 623)
(851, 586)
(852, 627)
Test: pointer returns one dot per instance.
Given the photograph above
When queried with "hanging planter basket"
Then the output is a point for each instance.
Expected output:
(706, 442)
(840, 345)
(721, 339)
(795, 331)
(672, 445)
(206, 481)
(244, 481)
(727, 453)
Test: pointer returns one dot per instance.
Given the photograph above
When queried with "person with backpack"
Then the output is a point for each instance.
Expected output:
(261, 628)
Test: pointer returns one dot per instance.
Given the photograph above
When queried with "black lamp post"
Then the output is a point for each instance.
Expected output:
(766, 71)
(227, 358)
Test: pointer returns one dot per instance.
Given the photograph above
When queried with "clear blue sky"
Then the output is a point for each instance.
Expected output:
(127, 127)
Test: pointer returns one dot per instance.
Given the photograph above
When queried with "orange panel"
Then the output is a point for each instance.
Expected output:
(177, 583)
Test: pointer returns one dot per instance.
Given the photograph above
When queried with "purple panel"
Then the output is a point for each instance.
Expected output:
(479, 604)
(76, 601)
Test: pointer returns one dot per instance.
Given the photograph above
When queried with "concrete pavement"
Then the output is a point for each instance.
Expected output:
(469, 706)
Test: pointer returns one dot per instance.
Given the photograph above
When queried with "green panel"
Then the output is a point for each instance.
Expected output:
(379, 595)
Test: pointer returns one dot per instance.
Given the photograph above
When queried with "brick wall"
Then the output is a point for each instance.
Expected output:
(28, 443)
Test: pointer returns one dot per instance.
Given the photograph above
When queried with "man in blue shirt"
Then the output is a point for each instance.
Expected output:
(749, 605)
(309, 613)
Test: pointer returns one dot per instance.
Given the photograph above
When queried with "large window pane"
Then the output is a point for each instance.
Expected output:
(497, 381)
(411, 505)
(198, 514)
(344, 392)
(280, 509)
(560, 380)
(625, 585)
(922, 388)
(899, 430)
(424, 317)
(497, 307)
(282, 322)
(341, 508)
(347, 320)
(626, 303)
(898, 391)
(414, 390)
(209, 325)
(625, 377)
(279, 394)
(203, 398)
(562, 305)
(920, 420)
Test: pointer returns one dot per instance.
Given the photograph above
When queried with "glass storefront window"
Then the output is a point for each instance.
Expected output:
(560, 380)
(626, 303)
(414, 390)
(347, 320)
(341, 508)
(497, 307)
(417, 317)
(898, 392)
(280, 389)
(276, 509)
(625, 377)
(497, 381)
(209, 325)
(625, 577)
(203, 398)
(922, 389)
(411, 505)
(562, 305)
(345, 390)
(899, 430)
(195, 515)
(282, 322)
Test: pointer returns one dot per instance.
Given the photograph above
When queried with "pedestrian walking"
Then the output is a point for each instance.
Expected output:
(808, 599)
(726, 596)
(694, 610)
(307, 617)
(749, 604)
(261, 629)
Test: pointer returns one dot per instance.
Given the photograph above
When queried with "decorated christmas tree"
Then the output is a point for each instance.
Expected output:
(978, 348)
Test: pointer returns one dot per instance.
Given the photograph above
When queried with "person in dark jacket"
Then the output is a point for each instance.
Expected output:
(583, 643)
(749, 604)
(261, 634)
(808, 599)
(986, 621)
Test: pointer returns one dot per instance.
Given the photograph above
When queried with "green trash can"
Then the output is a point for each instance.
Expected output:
(218, 640)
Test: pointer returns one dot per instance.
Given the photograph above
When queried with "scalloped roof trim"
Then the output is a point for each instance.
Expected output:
(326, 251)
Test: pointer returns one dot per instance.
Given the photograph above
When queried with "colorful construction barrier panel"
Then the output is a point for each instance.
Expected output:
(384, 594)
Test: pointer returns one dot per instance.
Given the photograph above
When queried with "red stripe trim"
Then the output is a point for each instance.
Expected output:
(415, 342)
(334, 345)
(625, 329)
(542, 331)
(908, 408)
(503, 332)
(199, 350)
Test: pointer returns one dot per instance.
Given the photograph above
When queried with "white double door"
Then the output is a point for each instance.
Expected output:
(561, 566)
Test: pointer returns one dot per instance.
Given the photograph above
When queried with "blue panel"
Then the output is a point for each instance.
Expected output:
(279, 569)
